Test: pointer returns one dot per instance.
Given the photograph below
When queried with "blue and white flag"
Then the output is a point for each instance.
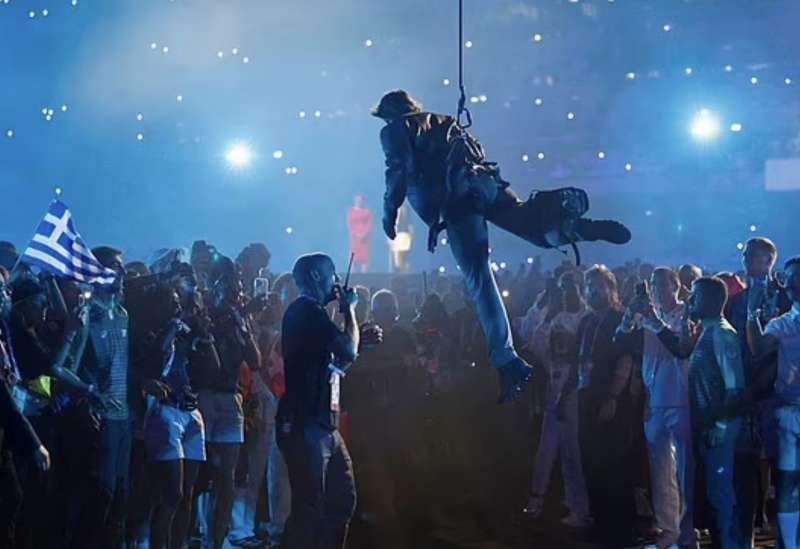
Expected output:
(59, 249)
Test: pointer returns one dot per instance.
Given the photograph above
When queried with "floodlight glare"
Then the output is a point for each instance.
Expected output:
(239, 156)
(705, 125)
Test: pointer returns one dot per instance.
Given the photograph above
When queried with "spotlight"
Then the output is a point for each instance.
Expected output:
(468, 44)
(443, 241)
(538, 101)
(736, 127)
(289, 230)
(688, 71)
(787, 81)
(277, 155)
(570, 116)
(601, 155)
(245, 60)
(753, 228)
(728, 68)
(139, 117)
(505, 293)
(442, 269)
(740, 246)
(63, 108)
(530, 261)
(239, 156)
(524, 157)
(446, 81)
(503, 265)
(139, 137)
(368, 43)
(631, 76)
(540, 156)
(302, 114)
(179, 98)
(628, 167)
(153, 45)
(537, 37)
(754, 80)
(667, 27)
(705, 125)
(10, 133)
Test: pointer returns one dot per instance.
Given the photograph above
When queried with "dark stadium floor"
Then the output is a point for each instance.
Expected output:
(472, 530)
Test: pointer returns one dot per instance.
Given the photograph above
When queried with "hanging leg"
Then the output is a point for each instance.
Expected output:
(550, 219)
(469, 241)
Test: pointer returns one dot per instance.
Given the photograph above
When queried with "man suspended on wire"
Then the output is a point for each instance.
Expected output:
(442, 170)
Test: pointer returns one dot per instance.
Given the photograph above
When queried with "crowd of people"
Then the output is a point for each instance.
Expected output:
(143, 414)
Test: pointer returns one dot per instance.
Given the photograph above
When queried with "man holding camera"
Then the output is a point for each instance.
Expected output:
(315, 352)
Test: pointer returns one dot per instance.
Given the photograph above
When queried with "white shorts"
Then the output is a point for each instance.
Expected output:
(223, 416)
(171, 433)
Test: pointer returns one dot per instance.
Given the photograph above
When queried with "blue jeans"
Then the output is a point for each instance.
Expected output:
(718, 465)
(469, 240)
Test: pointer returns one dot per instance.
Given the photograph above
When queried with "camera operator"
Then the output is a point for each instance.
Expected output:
(219, 393)
(174, 439)
(43, 353)
(320, 469)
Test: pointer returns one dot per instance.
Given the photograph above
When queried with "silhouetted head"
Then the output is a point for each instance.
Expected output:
(396, 104)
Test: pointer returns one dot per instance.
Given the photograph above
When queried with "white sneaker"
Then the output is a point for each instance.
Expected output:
(575, 521)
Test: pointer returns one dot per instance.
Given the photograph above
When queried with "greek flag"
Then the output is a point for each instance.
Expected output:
(59, 249)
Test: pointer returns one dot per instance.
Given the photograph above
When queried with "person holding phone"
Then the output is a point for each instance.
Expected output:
(782, 335)
(667, 423)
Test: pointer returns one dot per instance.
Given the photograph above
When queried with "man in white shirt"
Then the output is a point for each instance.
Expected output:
(667, 422)
(782, 334)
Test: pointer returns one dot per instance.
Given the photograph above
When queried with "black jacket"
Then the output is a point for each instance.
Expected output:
(416, 148)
